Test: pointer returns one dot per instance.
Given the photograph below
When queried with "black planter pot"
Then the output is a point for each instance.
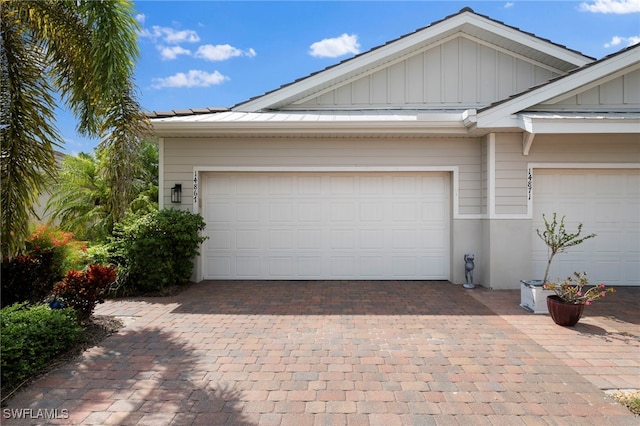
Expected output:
(563, 313)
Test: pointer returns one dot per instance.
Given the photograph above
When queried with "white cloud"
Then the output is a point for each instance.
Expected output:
(625, 41)
(508, 5)
(194, 78)
(172, 52)
(619, 7)
(170, 35)
(334, 47)
(140, 17)
(221, 52)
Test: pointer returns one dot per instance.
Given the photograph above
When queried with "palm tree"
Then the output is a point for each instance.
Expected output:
(78, 200)
(80, 192)
(84, 51)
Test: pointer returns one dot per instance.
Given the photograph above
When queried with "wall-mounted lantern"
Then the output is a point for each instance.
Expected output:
(176, 193)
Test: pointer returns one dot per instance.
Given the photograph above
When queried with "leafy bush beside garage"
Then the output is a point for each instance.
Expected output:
(153, 251)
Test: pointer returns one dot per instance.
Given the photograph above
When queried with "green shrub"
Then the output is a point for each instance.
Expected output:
(49, 253)
(155, 250)
(31, 336)
(83, 290)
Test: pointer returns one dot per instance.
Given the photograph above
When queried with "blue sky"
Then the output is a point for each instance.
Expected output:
(197, 54)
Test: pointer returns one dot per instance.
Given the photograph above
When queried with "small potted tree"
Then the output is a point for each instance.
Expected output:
(533, 295)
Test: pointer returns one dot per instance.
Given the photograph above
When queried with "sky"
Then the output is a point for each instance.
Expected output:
(197, 54)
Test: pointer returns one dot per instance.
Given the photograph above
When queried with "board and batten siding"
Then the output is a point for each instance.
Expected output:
(461, 71)
(621, 92)
(182, 155)
(511, 195)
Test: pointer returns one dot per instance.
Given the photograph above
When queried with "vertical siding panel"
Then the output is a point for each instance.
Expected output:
(379, 88)
(433, 75)
(505, 71)
(524, 75)
(451, 72)
(611, 93)
(590, 97)
(397, 84)
(632, 88)
(469, 71)
(326, 99)
(415, 79)
(487, 73)
(344, 96)
(541, 75)
(361, 91)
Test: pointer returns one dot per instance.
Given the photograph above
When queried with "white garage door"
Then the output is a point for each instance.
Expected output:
(326, 226)
(607, 203)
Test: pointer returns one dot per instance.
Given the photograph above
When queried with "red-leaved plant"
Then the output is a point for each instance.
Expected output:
(83, 290)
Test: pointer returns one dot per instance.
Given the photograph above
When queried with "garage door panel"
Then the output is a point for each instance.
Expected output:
(309, 267)
(247, 212)
(606, 203)
(371, 239)
(219, 266)
(247, 267)
(326, 226)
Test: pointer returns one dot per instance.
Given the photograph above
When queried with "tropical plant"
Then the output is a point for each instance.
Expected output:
(85, 52)
(80, 192)
(558, 239)
(78, 198)
(572, 290)
(154, 251)
(83, 290)
(49, 254)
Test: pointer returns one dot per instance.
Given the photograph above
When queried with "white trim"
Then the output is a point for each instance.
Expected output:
(585, 123)
(454, 170)
(491, 175)
(572, 166)
(161, 176)
(527, 141)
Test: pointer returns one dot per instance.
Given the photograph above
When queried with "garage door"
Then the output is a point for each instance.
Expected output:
(607, 203)
(326, 226)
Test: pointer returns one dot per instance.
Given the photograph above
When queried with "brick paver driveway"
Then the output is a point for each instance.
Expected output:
(346, 353)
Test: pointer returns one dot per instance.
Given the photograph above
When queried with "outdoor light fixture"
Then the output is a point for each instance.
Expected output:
(176, 193)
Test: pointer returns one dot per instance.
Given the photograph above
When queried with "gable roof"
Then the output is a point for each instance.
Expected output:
(502, 113)
(539, 109)
(467, 22)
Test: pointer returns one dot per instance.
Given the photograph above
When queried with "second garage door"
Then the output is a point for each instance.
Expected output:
(606, 202)
(326, 225)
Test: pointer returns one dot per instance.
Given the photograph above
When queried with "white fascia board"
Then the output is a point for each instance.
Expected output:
(559, 124)
(501, 113)
(532, 41)
(433, 126)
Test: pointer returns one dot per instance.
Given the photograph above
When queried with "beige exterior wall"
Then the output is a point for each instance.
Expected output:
(500, 236)
(182, 155)
(511, 195)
